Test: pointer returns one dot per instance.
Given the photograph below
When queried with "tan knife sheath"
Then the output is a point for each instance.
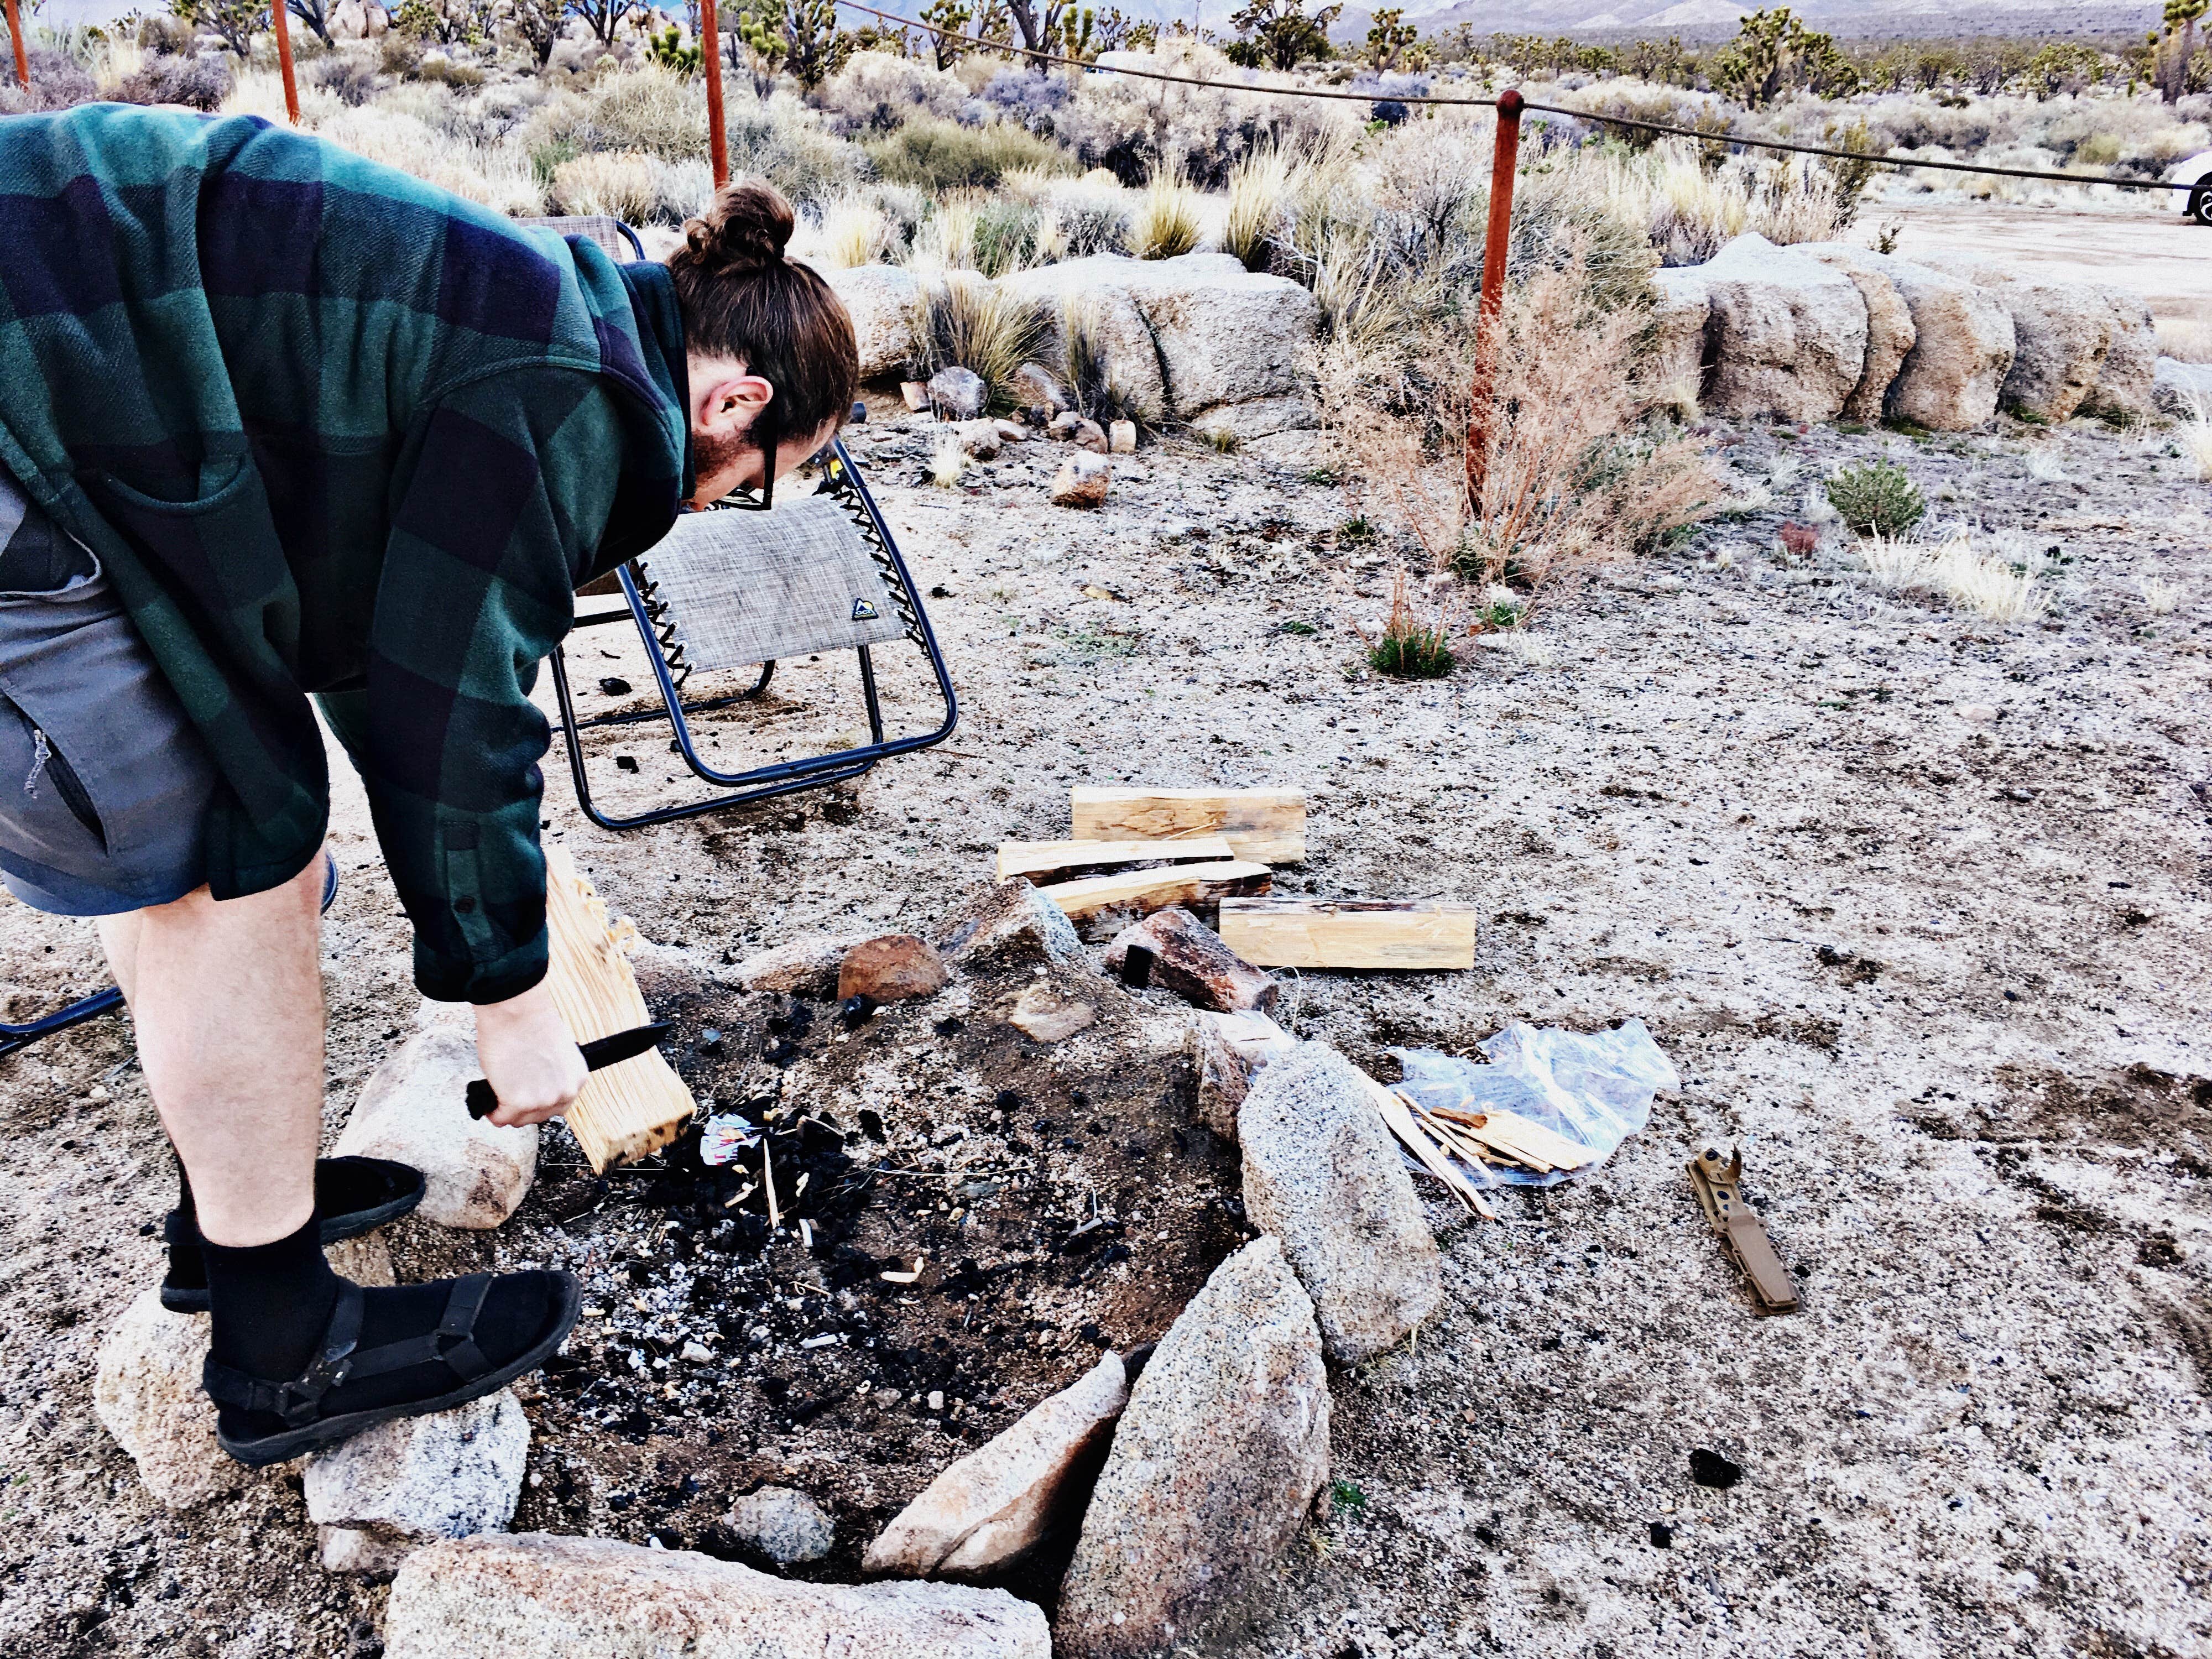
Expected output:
(1720, 1190)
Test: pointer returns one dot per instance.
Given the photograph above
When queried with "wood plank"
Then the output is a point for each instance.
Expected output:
(1042, 858)
(1399, 1116)
(1310, 932)
(1522, 1138)
(639, 1106)
(1268, 825)
(1147, 891)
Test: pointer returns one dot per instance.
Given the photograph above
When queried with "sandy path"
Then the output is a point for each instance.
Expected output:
(2146, 245)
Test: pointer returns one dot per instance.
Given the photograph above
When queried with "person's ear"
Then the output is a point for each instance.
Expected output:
(731, 402)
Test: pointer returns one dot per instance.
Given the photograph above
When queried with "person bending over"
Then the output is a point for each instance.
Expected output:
(276, 423)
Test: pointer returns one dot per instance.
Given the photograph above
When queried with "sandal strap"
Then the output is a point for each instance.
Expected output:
(299, 1401)
(454, 1342)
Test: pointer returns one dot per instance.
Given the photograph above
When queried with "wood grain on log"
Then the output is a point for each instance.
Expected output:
(1041, 860)
(639, 1106)
(1307, 933)
(1265, 824)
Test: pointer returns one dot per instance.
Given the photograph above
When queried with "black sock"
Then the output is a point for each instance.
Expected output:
(185, 1206)
(271, 1303)
(187, 1267)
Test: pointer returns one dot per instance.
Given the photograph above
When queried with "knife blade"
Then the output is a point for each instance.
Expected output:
(599, 1054)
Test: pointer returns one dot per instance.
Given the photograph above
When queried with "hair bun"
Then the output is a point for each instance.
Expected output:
(745, 227)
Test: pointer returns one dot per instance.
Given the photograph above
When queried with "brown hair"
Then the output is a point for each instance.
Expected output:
(741, 298)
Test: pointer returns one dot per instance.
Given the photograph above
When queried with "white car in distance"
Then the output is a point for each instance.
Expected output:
(2195, 172)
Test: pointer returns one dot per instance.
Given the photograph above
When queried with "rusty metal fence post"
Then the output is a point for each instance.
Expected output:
(710, 39)
(276, 10)
(15, 36)
(1504, 163)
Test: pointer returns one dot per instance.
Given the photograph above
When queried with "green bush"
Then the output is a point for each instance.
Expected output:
(1876, 498)
(935, 154)
(1006, 235)
(1412, 652)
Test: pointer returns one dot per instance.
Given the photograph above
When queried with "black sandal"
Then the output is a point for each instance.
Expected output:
(298, 1404)
(353, 1196)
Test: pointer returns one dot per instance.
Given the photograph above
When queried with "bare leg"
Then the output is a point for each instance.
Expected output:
(227, 999)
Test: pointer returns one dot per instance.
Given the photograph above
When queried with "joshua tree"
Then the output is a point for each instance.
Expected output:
(2180, 44)
(1283, 34)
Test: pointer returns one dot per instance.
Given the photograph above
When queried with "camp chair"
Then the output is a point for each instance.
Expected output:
(615, 239)
(743, 584)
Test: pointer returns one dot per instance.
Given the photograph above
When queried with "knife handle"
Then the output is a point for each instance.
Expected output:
(481, 1102)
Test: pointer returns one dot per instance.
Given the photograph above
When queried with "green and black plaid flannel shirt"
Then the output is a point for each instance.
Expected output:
(335, 431)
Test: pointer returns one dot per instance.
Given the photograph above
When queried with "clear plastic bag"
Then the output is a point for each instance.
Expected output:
(1594, 1088)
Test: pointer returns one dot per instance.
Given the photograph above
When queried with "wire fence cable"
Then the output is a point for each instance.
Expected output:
(1450, 101)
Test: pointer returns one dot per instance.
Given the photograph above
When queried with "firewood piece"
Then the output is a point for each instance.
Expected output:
(1522, 1139)
(1265, 824)
(1140, 892)
(1312, 932)
(1174, 950)
(640, 1105)
(1041, 860)
(1399, 1116)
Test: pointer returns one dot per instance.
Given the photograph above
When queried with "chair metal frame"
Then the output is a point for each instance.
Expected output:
(664, 654)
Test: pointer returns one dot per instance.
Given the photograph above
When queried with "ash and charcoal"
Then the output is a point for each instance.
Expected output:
(1055, 1199)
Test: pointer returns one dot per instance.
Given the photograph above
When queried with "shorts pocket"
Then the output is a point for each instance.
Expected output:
(46, 814)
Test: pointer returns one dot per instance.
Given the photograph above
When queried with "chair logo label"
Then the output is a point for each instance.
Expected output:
(863, 609)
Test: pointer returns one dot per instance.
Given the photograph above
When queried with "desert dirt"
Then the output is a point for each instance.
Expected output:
(1916, 902)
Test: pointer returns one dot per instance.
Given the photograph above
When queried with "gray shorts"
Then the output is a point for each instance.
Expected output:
(104, 785)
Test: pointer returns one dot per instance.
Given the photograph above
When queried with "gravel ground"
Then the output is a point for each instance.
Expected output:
(1916, 902)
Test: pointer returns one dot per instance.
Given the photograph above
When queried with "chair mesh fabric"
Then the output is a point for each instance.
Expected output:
(602, 229)
(734, 586)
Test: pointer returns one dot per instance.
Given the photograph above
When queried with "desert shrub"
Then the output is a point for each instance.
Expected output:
(1090, 214)
(442, 69)
(646, 109)
(1165, 223)
(1408, 648)
(498, 175)
(623, 183)
(946, 240)
(1575, 470)
(1876, 498)
(1030, 98)
(849, 228)
(779, 142)
(351, 80)
(200, 83)
(1004, 236)
(57, 81)
(962, 320)
(935, 154)
(876, 92)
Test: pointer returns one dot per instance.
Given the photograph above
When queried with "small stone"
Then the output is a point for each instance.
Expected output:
(402, 1485)
(1082, 481)
(805, 967)
(1013, 432)
(1042, 1016)
(614, 686)
(1121, 437)
(146, 1393)
(936, 1399)
(1010, 926)
(476, 1174)
(786, 1526)
(342, 1550)
(696, 1352)
(997, 1504)
(1176, 951)
(1227, 1051)
(1035, 387)
(958, 394)
(1089, 435)
(1709, 1468)
(537, 1596)
(979, 438)
(915, 394)
(896, 968)
(1215, 1467)
(1062, 427)
(1979, 714)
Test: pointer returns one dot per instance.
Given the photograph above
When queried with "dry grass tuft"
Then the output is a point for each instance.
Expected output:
(851, 229)
(2194, 431)
(1973, 569)
(1165, 223)
(1258, 191)
(961, 319)
(625, 183)
(1408, 647)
